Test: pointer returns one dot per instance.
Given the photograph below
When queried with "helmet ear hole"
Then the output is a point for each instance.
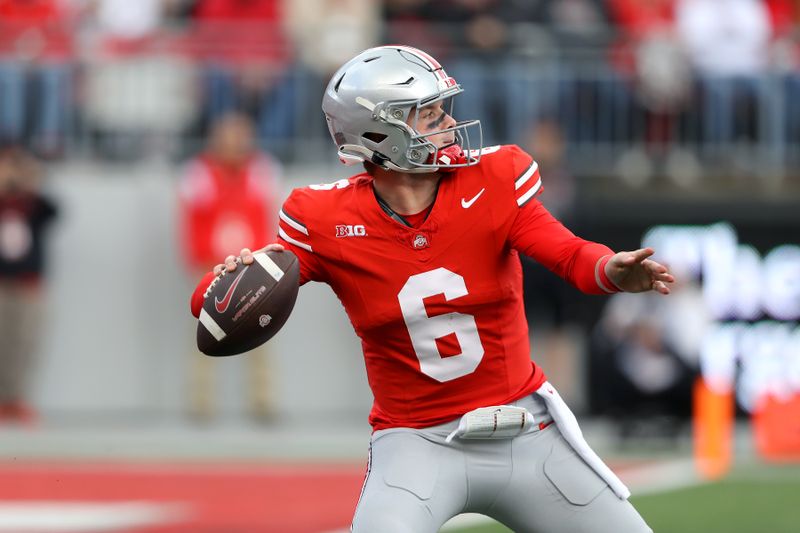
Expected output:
(375, 137)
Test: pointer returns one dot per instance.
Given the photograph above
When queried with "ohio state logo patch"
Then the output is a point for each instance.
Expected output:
(419, 242)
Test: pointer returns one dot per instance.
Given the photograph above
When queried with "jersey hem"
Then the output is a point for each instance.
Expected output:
(532, 387)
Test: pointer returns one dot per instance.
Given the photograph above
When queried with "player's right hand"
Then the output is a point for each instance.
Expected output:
(245, 257)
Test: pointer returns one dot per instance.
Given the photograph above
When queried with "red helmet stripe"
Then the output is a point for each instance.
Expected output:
(416, 51)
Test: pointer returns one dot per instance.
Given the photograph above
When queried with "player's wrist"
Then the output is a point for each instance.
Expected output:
(604, 281)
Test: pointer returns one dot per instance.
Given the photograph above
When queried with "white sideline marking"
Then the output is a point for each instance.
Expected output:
(662, 476)
(84, 517)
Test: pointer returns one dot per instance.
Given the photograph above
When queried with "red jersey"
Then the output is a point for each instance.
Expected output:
(439, 308)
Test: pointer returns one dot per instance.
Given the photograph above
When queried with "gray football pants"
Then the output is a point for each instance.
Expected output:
(534, 483)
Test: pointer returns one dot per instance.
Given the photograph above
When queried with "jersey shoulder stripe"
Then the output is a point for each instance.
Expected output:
(292, 230)
(525, 198)
(529, 172)
(510, 163)
(291, 221)
(285, 236)
(528, 183)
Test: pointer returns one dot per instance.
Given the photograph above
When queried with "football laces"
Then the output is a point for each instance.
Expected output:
(216, 280)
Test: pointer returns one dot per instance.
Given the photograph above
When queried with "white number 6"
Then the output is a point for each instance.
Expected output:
(424, 330)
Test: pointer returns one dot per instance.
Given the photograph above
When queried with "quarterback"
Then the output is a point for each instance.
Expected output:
(423, 250)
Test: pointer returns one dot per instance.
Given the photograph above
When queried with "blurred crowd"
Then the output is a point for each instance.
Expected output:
(662, 74)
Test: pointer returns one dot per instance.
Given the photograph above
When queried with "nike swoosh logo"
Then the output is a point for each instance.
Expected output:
(467, 204)
(222, 305)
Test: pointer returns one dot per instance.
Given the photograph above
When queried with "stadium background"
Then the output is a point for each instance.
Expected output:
(642, 114)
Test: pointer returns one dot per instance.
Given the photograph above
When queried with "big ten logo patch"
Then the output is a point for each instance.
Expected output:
(350, 230)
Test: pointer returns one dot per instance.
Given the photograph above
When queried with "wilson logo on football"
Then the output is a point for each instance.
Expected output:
(222, 305)
(349, 230)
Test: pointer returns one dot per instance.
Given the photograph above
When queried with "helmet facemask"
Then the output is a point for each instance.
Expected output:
(422, 154)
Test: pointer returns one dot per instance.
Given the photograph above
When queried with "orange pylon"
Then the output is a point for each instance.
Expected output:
(713, 418)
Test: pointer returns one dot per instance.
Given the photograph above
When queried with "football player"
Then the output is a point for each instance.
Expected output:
(423, 251)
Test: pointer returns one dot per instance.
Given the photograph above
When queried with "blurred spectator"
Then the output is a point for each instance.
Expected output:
(128, 22)
(325, 34)
(576, 23)
(24, 214)
(503, 52)
(728, 42)
(557, 348)
(565, 69)
(415, 22)
(480, 31)
(227, 200)
(545, 141)
(35, 73)
(646, 355)
(658, 86)
(134, 87)
(785, 18)
(649, 53)
(246, 57)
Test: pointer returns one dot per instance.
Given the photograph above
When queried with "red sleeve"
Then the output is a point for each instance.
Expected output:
(537, 234)
(295, 233)
(196, 302)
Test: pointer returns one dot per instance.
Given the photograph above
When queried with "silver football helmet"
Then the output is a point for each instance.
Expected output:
(369, 100)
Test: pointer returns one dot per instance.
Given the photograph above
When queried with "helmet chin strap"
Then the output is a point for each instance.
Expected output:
(449, 155)
(413, 170)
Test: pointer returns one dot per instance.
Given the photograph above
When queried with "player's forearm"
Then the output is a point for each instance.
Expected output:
(537, 234)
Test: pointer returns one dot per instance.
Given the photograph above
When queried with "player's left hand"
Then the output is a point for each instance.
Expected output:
(634, 272)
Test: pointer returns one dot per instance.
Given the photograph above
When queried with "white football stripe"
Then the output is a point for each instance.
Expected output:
(292, 222)
(524, 198)
(269, 265)
(212, 326)
(286, 238)
(526, 176)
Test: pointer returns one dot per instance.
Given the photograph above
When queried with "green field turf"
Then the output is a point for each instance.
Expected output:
(754, 500)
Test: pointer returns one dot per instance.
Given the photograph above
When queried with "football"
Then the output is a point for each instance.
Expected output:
(247, 307)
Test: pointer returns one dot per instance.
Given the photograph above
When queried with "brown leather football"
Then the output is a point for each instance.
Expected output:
(247, 307)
